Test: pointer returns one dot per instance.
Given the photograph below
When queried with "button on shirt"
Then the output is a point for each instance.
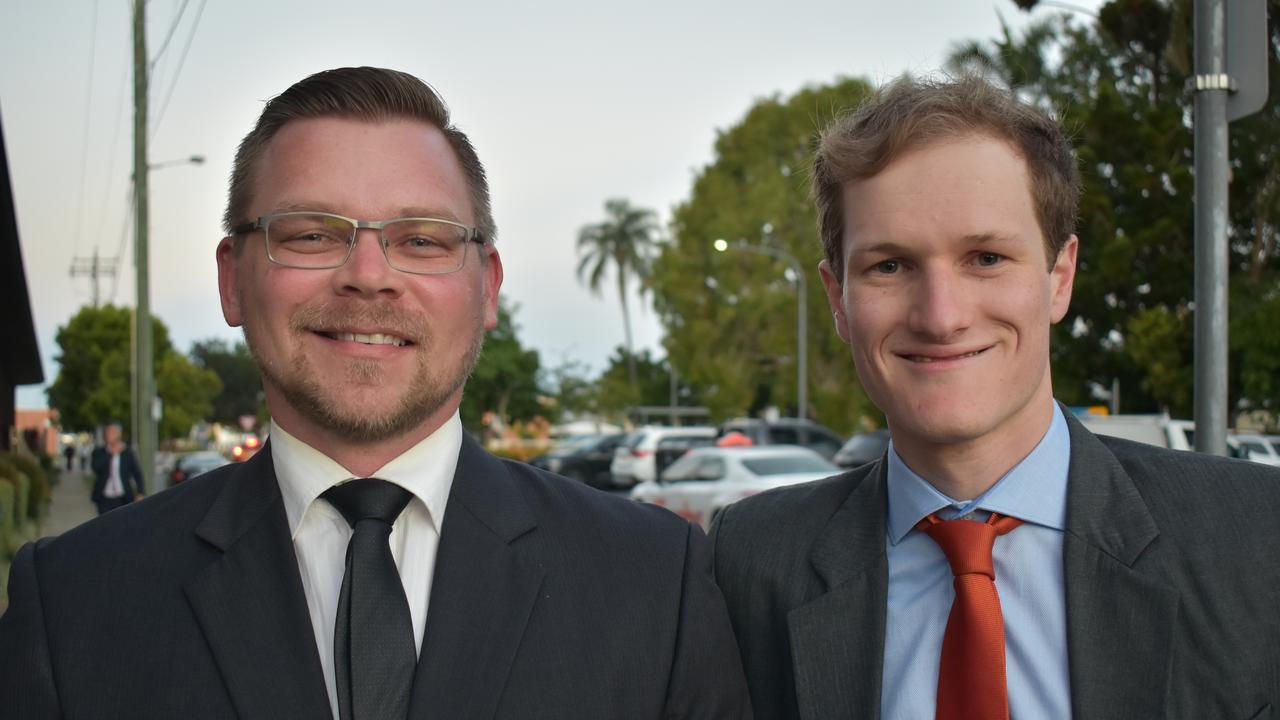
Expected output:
(1028, 565)
(320, 534)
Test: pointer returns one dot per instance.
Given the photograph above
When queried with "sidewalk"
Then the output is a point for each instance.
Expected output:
(70, 505)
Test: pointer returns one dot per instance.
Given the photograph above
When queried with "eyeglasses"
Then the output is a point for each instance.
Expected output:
(319, 241)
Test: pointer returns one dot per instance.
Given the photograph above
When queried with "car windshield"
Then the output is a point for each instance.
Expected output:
(786, 464)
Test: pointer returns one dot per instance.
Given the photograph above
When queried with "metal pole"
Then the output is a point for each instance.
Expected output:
(802, 335)
(145, 396)
(1211, 85)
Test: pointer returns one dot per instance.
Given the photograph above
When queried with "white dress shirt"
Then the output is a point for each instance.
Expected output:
(320, 534)
(114, 487)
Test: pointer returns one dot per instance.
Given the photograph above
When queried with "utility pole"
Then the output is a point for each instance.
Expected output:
(144, 395)
(92, 268)
(1230, 82)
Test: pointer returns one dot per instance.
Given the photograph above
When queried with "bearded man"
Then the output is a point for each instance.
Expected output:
(372, 561)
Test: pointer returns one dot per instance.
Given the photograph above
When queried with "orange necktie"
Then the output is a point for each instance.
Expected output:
(971, 681)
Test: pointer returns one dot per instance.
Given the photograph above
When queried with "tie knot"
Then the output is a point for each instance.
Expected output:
(368, 499)
(967, 543)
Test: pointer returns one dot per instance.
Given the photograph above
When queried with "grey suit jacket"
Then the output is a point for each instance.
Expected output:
(549, 600)
(1172, 582)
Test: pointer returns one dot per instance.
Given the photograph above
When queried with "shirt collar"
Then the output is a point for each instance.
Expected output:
(426, 470)
(1034, 490)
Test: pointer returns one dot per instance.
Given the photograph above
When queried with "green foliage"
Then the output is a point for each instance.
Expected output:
(1118, 86)
(572, 389)
(41, 491)
(505, 379)
(241, 392)
(730, 318)
(625, 241)
(1255, 344)
(196, 387)
(617, 393)
(93, 385)
(9, 537)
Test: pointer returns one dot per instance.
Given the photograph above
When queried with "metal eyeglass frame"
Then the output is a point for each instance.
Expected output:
(473, 236)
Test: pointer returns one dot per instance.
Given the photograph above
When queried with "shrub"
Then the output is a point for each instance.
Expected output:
(9, 539)
(41, 492)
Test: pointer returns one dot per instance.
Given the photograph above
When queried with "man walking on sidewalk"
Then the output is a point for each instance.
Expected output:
(117, 477)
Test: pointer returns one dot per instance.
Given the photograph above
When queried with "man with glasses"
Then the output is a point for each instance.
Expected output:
(373, 561)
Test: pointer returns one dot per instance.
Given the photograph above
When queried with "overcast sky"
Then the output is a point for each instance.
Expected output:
(569, 102)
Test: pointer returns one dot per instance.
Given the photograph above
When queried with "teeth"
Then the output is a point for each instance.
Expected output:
(372, 339)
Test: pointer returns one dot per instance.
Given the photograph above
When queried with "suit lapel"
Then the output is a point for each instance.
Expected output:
(482, 594)
(837, 639)
(1119, 621)
(250, 604)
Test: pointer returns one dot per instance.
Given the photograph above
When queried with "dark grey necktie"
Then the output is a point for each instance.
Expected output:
(373, 645)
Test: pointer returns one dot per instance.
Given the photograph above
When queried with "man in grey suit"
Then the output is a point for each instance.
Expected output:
(373, 561)
(1129, 581)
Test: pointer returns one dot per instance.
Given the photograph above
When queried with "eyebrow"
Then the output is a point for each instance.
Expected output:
(889, 247)
(414, 211)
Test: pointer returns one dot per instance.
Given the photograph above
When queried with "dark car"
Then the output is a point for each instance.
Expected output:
(584, 458)
(862, 448)
(193, 464)
(787, 431)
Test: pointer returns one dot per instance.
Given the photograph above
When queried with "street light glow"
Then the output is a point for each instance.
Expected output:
(721, 245)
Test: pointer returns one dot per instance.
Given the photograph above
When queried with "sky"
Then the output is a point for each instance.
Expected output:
(569, 103)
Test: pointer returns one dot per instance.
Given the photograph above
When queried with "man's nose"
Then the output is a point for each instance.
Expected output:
(942, 304)
(367, 271)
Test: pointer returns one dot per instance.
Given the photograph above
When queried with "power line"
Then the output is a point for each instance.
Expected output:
(181, 61)
(169, 36)
(84, 142)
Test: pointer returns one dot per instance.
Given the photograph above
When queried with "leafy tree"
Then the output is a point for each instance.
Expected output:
(617, 394)
(241, 382)
(1118, 85)
(93, 383)
(730, 317)
(505, 379)
(573, 389)
(624, 240)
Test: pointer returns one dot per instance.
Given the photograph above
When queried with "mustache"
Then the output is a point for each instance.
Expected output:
(335, 315)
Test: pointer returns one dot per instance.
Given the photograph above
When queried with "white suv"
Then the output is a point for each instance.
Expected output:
(649, 449)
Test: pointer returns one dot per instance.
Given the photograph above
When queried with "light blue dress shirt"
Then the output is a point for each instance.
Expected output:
(1028, 565)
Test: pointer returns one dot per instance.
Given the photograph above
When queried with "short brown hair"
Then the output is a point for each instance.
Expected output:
(361, 93)
(908, 114)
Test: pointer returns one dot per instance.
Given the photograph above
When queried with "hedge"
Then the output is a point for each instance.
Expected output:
(40, 489)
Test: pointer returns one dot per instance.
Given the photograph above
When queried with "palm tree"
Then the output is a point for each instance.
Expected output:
(625, 240)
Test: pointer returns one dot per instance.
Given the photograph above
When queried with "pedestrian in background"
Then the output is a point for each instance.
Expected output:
(117, 476)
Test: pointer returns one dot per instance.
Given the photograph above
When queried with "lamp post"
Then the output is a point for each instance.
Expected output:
(144, 381)
(802, 334)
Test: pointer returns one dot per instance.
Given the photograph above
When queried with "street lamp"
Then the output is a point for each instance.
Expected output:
(802, 371)
(144, 386)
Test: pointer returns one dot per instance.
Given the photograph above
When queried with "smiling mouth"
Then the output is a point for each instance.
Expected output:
(367, 339)
(933, 358)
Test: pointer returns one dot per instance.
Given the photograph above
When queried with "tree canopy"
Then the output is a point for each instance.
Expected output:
(730, 317)
(505, 379)
(241, 382)
(93, 383)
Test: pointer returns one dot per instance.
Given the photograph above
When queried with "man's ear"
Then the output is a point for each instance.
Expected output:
(229, 281)
(1062, 278)
(492, 285)
(835, 298)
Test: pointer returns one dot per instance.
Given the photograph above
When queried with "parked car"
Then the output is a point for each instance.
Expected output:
(862, 448)
(651, 448)
(704, 481)
(787, 431)
(195, 463)
(1159, 430)
(585, 458)
(1257, 448)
